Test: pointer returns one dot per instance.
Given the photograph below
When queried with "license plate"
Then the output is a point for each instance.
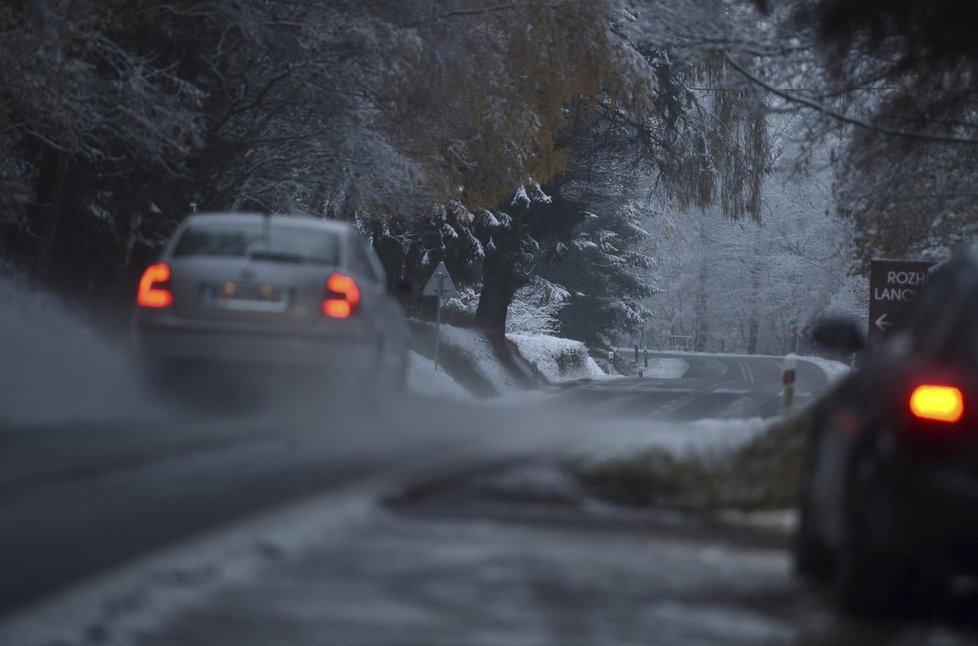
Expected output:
(254, 297)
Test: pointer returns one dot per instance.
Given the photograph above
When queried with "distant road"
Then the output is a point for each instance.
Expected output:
(714, 386)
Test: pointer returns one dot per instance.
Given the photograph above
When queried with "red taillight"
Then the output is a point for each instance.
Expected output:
(153, 288)
(938, 403)
(342, 297)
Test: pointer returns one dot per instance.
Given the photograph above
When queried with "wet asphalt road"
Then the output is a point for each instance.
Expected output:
(493, 581)
(77, 500)
(81, 498)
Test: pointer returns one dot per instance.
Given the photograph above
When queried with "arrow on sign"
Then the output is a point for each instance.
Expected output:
(881, 323)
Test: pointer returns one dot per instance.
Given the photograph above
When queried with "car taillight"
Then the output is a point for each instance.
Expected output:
(938, 403)
(154, 288)
(342, 297)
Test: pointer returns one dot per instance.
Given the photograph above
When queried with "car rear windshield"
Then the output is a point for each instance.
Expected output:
(259, 240)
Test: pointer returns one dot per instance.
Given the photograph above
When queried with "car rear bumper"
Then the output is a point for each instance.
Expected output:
(172, 340)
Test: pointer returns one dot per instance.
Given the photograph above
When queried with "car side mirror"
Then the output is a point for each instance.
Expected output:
(839, 335)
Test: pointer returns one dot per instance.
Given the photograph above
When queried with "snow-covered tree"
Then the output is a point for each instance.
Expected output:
(748, 286)
(536, 307)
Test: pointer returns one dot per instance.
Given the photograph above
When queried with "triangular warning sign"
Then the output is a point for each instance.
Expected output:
(440, 283)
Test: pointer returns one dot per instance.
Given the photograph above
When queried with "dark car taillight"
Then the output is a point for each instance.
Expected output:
(937, 403)
(154, 287)
(342, 297)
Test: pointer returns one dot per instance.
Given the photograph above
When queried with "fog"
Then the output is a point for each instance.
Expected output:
(54, 367)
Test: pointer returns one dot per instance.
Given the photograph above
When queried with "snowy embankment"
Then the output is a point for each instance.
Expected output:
(425, 380)
(665, 369)
(834, 370)
(558, 360)
(707, 437)
(482, 357)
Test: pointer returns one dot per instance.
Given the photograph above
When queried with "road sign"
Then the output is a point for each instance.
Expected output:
(440, 284)
(893, 284)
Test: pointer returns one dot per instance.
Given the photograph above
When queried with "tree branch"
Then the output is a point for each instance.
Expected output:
(844, 118)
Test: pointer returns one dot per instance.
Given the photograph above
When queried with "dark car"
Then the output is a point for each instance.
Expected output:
(247, 291)
(889, 511)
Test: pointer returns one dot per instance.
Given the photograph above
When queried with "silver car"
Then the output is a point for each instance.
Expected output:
(236, 289)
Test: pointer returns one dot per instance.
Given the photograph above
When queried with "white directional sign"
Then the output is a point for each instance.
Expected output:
(440, 284)
(893, 284)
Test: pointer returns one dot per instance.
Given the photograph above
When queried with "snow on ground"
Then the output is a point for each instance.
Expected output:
(662, 368)
(559, 360)
(474, 344)
(623, 438)
(834, 370)
(423, 379)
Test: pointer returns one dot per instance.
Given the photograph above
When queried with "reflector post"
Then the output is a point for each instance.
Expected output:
(152, 287)
(342, 297)
(938, 403)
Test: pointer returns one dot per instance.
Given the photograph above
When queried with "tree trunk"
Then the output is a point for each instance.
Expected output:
(755, 296)
(752, 331)
(699, 334)
(502, 278)
(49, 236)
(494, 303)
(135, 221)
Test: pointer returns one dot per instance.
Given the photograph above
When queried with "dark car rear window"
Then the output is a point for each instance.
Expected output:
(258, 239)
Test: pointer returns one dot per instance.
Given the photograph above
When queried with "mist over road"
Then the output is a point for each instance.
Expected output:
(82, 495)
(713, 386)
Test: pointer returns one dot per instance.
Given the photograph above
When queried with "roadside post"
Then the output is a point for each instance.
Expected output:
(646, 357)
(636, 354)
(611, 362)
(440, 286)
(790, 363)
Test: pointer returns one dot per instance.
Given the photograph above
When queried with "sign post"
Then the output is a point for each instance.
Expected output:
(788, 382)
(893, 284)
(440, 286)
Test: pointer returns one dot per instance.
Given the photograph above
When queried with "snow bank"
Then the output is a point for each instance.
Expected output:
(473, 344)
(665, 368)
(557, 359)
(424, 380)
(834, 370)
(621, 438)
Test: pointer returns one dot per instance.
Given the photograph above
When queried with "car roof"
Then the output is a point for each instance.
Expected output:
(288, 220)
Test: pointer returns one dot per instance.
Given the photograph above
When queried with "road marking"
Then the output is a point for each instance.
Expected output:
(745, 371)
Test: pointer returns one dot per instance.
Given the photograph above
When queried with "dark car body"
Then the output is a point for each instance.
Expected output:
(889, 507)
